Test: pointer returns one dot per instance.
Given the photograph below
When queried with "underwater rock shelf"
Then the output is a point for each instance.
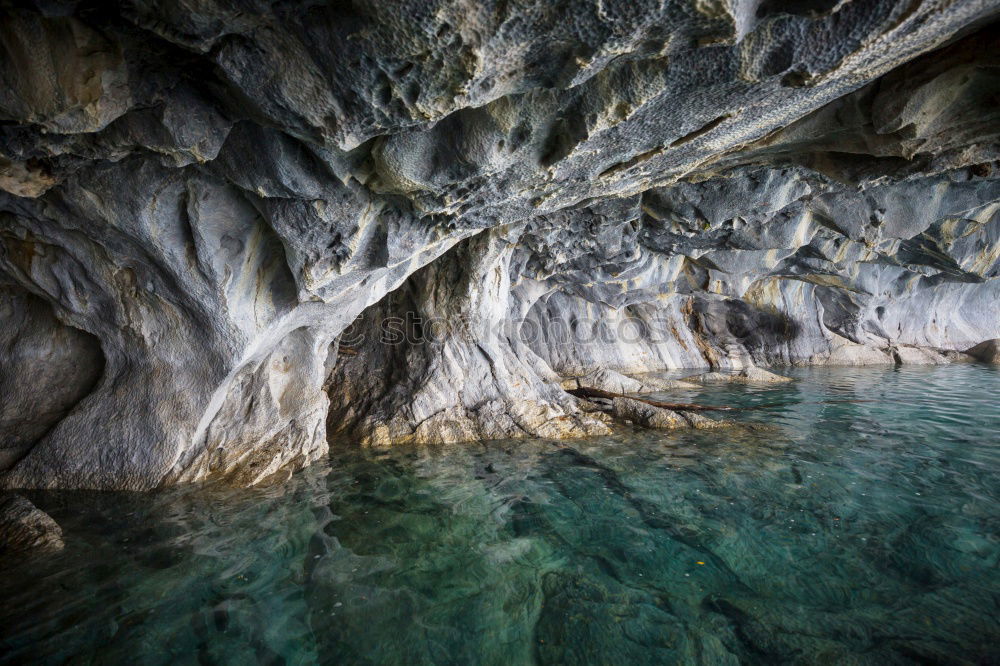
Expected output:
(228, 235)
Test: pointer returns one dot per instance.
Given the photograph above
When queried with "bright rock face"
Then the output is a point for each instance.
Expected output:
(196, 202)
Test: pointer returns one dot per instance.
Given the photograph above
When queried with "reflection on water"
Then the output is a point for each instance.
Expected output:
(852, 534)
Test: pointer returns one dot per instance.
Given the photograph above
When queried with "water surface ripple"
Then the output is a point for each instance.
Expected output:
(849, 533)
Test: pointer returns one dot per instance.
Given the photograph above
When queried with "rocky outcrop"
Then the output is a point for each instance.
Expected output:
(744, 376)
(616, 382)
(658, 418)
(987, 351)
(437, 362)
(646, 415)
(25, 529)
(196, 202)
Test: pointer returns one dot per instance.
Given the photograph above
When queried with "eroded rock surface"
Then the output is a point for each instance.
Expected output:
(46, 369)
(658, 418)
(197, 201)
(436, 361)
(987, 351)
(24, 528)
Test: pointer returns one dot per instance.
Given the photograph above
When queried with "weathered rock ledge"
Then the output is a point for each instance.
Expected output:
(25, 529)
(227, 235)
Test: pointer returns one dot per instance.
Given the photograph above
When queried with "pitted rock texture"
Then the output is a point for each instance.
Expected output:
(197, 200)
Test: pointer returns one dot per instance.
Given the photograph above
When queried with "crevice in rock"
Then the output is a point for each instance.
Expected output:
(701, 131)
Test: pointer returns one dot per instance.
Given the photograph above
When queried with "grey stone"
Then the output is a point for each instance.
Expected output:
(450, 373)
(658, 418)
(760, 376)
(751, 375)
(987, 351)
(46, 369)
(197, 201)
(615, 382)
(647, 415)
(24, 528)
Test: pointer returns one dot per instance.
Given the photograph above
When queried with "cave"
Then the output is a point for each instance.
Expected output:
(475, 315)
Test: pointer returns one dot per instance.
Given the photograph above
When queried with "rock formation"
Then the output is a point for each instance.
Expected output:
(658, 418)
(197, 202)
(987, 351)
(751, 375)
(25, 529)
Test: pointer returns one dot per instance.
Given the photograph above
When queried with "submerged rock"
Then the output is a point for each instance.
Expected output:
(615, 382)
(751, 375)
(711, 378)
(925, 356)
(760, 376)
(25, 528)
(847, 353)
(646, 415)
(650, 416)
(987, 352)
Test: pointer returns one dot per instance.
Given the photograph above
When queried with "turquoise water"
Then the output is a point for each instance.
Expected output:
(863, 533)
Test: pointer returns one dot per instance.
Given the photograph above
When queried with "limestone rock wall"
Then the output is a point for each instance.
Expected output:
(46, 369)
(197, 199)
(439, 360)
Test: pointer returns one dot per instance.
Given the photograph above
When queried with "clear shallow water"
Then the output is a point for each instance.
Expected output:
(847, 534)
